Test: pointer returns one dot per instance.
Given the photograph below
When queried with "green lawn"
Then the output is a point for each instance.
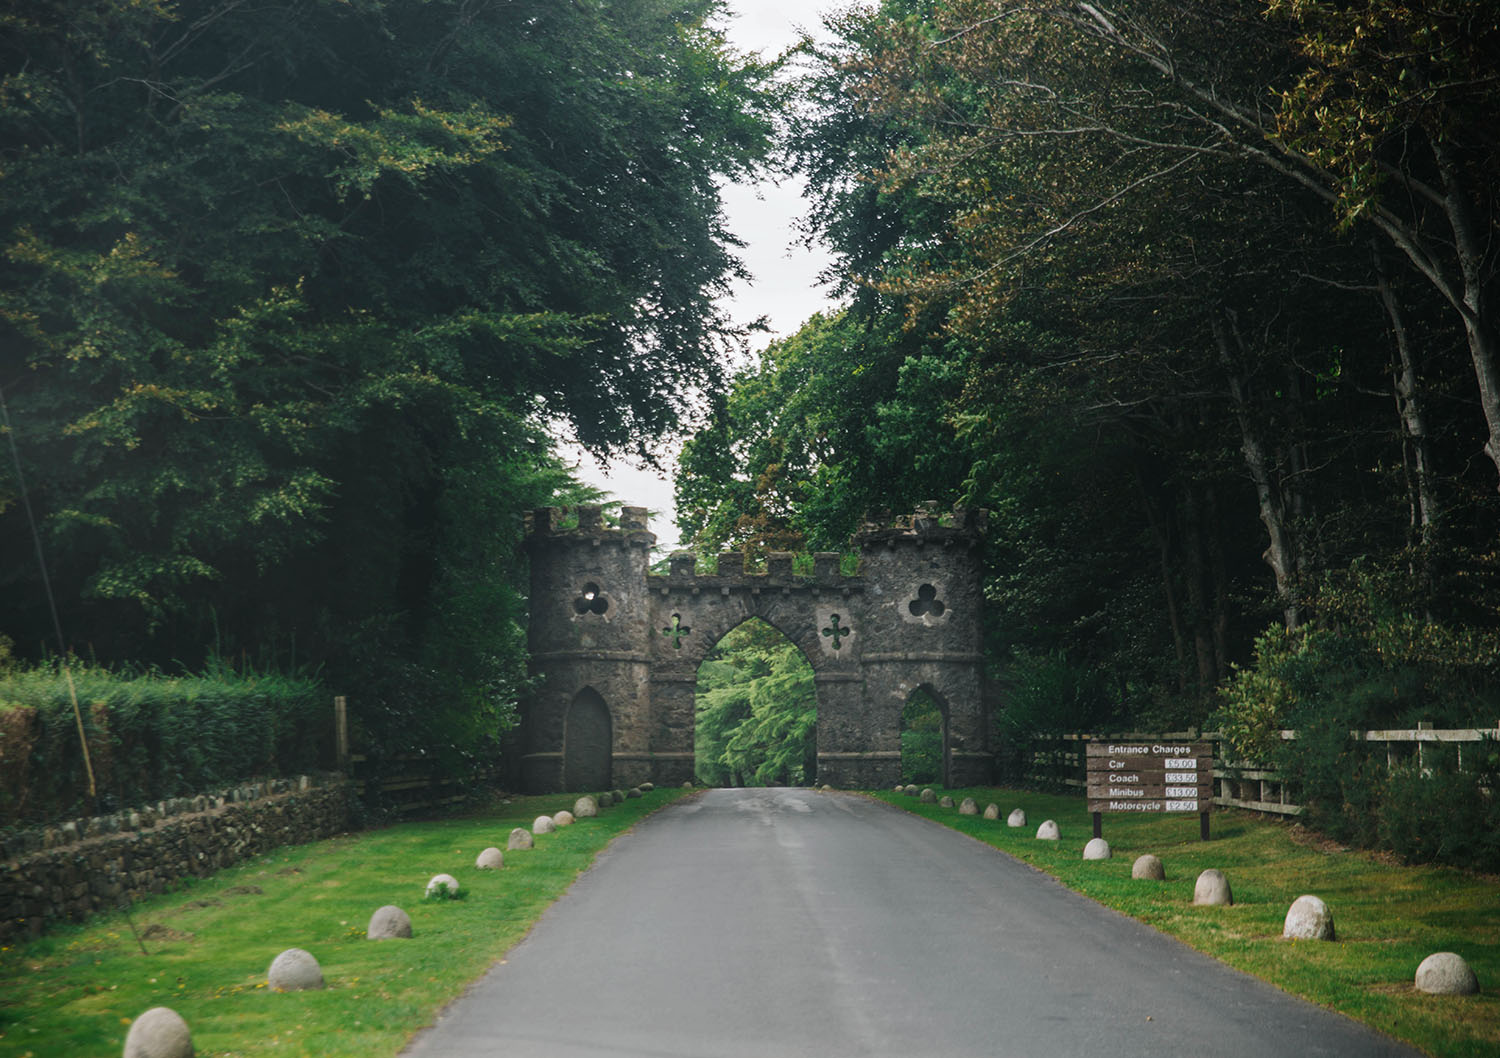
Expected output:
(1388, 918)
(73, 993)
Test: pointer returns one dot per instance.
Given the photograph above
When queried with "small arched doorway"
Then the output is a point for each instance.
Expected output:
(924, 738)
(588, 743)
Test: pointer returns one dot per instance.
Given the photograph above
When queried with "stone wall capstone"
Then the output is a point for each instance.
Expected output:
(71, 871)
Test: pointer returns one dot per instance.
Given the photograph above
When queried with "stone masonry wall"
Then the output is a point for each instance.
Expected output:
(609, 637)
(71, 871)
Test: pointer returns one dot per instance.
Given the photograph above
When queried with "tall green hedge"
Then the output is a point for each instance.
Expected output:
(150, 736)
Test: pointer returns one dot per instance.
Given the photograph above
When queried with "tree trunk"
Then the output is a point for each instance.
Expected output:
(1193, 531)
(1219, 569)
(1472, 240)
(1422, 488)
(1281, 553)
(1163, 537)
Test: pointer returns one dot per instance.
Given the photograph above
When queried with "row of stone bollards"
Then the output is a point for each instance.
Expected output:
(163, 1033)
(1309, 917)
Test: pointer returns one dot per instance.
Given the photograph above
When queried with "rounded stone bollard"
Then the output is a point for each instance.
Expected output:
(1096, 849)
(294, 970)
(491, 859)
(634, 791)
(1149, 868)
(647, 787)
(444, 883)
(520, 838)
(1212, 888)
(968, 807)
(1445, 973)
(543, 825)
(946, 802)
(1048, 831)
(992, 811)
(605, 799)
(585, 808)
(911, 791)
(928, 797)
(1308, 919)
(618, 795)
(159, 1033)
(1017, 818)
(389, 923)
(898, 788)
(563, 819)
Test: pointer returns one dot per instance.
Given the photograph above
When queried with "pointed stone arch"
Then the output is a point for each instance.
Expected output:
(807, 767)
(919, 693)
(588, 743)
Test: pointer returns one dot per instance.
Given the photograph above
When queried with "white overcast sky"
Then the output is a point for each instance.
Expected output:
(784, 287)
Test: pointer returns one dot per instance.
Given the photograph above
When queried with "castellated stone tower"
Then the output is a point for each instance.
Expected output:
(588, 723)
(923, 617)
(617, 648)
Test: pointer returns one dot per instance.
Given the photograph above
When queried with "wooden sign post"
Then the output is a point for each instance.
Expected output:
(1150, 776)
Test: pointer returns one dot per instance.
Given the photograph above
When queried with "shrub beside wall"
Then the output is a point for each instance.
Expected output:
(150, 737)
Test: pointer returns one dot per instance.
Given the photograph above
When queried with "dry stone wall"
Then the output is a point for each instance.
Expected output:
(71, 871)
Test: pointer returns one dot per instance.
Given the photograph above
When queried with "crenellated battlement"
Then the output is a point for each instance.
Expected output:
(585, 523)
(929, 524)
(734, 567)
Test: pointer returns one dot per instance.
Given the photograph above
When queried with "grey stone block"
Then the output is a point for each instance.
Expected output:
(389, 923)
(159, 1033)
(1148, 868)
(1212, 889)
(294, 970)
(1445, 973)
(1308, 919)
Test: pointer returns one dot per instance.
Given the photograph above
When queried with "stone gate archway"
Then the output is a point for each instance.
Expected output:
(601, 621)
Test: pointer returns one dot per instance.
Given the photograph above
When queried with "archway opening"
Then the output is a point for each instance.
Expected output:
(588, 743)
(924, 738)
(756, 721)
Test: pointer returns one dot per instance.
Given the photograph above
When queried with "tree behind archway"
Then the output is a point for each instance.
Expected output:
(757, 711)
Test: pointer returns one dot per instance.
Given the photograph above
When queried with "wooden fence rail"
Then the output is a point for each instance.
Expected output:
(1249, 784)
(406, 784)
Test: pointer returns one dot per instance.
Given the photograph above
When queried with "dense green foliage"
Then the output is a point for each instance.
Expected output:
(150, 736)
(293, 296)
(1196, 378)
(921, 739)
(1369, 665)
(757, 718)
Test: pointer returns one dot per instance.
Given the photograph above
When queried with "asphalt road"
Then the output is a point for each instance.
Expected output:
(782, 923)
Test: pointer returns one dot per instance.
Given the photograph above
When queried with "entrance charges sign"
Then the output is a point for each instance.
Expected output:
(1150, 776)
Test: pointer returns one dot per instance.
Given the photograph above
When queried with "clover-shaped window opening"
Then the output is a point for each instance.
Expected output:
(926, 602)
(591, 601)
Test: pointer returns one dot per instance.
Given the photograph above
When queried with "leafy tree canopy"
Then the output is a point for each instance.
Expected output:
(291, 293)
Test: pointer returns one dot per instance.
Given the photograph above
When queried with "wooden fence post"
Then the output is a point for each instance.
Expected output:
(341, 731)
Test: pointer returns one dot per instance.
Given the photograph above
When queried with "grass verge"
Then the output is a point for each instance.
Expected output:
(74, 992)
(1387, 918)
